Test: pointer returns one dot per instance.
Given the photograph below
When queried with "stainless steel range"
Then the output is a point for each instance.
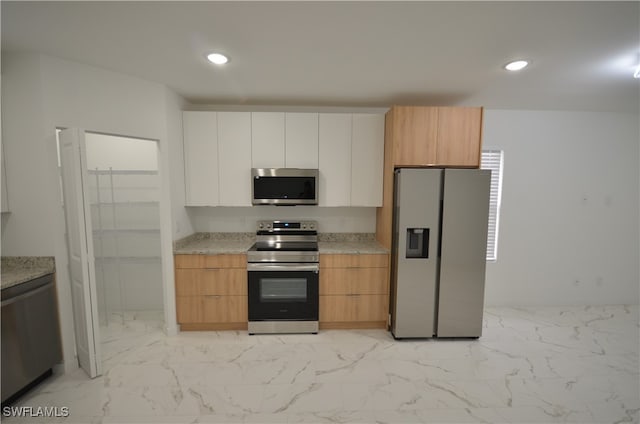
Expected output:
(283, 278)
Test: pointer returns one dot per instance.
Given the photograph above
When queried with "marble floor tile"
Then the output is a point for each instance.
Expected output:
(302, 398)
(399, 396)
(353, 371)
(532, 365)
(150, 420)
(333, 417)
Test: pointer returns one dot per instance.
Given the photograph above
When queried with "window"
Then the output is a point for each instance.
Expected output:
(493, 160)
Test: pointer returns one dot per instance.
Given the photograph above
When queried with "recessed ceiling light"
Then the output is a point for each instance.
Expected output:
(516, 65)
(217, 58)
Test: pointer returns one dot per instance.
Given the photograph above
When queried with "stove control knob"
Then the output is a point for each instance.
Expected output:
(268, 226)
(311, 226)
(261, 225)
(304, 227)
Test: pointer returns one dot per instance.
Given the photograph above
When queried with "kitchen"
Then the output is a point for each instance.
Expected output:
(570, 266)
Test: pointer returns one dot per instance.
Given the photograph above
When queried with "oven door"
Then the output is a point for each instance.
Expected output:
(283, 292)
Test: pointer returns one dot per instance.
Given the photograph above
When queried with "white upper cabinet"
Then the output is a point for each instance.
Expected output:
(334, 159)
(367, 159)
(267, 140)
(234, 160)
(301, 140)
(201, 158)
(351, 159)
(220, 148)
(284, 140)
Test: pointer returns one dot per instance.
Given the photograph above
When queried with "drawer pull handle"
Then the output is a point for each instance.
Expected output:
(214, 296)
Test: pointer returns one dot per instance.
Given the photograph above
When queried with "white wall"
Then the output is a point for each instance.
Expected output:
(569, 223)
(123, 153)
(28, 230)
(40, 93)
(243, 220)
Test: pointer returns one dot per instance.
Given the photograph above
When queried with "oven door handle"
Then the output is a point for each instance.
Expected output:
(282, 267)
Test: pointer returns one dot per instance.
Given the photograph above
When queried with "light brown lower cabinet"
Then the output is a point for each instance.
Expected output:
(211, 292)
(222, 312)
(354, 310)
(354, 291)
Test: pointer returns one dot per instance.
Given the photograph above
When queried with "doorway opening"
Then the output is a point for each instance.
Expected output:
(123, 191)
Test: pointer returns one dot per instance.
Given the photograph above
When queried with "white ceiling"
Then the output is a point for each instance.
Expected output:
(352, 53)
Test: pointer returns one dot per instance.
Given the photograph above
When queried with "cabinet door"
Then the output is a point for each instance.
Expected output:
(367, 159)
(234, 161)
(414, 134)
(459, 136)
(211, 309)
(354, 308)
(301, 140)
(334, 159)
(225, 309)
(200, 158)
(189, 309)
(217, 281)
(211, 261)
(267, 140)
(351, 281)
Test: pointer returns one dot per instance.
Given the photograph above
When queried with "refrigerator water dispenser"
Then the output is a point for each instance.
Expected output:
(417, 243)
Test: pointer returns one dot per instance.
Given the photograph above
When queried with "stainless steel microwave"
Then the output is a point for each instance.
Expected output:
(284, 186)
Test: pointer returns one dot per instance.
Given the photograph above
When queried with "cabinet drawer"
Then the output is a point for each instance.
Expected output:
(211, 261)
(354, 261)
(213, 281)
(346, 308)
(354, 281)
(211, 309)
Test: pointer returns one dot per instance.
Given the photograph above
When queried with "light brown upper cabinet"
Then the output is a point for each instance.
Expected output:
(435, 136)
(459, 136)
(413, 131)
(426, 136)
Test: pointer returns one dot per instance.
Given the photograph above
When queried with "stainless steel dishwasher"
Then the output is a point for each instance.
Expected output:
(30, 334)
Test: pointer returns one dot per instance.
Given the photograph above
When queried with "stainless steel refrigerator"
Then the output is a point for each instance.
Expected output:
(439, 252)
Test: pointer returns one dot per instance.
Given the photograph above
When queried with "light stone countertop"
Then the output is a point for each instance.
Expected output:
(351, 247)
(349, 244)
(20, 269)
(214, 244)
(239, 243)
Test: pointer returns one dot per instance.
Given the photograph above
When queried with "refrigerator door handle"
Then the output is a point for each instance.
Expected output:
(417, 243)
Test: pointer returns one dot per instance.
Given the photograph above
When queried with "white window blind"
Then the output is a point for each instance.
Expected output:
(493, 160)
